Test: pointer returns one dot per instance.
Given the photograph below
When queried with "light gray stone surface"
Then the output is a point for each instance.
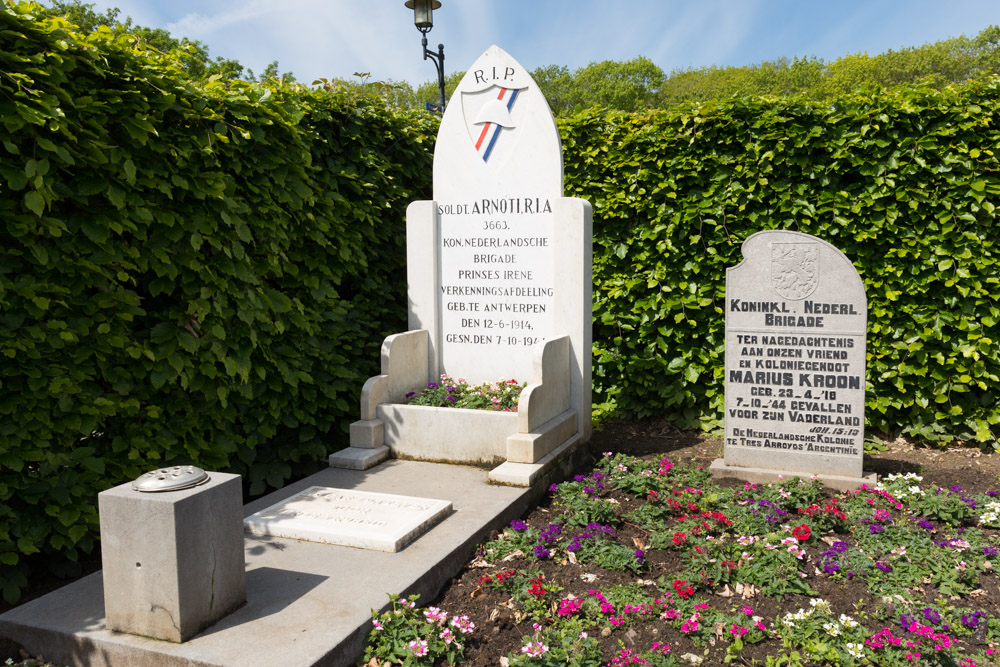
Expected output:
(718, 468)
(380, 521)
(307, 603)
(359, 458)
(173, 561)
(548, 393)
(447, 434)
(796, 319)
(544, 438)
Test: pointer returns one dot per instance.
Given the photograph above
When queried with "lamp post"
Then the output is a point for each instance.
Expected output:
(423, 11)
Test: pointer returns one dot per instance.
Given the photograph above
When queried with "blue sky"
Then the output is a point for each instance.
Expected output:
(336, 38)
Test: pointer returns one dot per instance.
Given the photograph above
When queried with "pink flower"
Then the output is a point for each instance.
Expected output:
(418, 647)
(738, 630)
(433, 615)
(534, 649)
(463, 624)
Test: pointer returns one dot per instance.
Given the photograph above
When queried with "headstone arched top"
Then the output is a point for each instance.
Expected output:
(498, 137)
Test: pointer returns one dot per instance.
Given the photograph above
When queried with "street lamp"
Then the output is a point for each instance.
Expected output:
(423, 11)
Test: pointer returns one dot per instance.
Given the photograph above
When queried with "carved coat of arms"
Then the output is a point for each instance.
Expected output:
(794, 269)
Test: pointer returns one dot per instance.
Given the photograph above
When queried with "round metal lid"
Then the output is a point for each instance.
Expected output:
(170, 479)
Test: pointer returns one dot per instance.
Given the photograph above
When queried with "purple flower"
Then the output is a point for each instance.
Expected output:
(972, 621)
(579, 478)
(448, 387)
(831, 567)
(432, 385)
(451, 398)
(550, 533)
(553, 488)
(640, 556)
(541, 553)
(876, 528)
(411, 394)
(926, 525)
(517, 524)
(993, 493)
(839, 547)
(990, 551)
(931, 615)
(882, 565)
(573, 546)
(597, 475)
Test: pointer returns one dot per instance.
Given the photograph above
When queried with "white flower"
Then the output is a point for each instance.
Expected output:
(847, 621)
(832, 629)
(855, 650)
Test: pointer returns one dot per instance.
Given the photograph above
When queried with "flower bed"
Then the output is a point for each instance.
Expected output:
(501, 396)
(644, 562)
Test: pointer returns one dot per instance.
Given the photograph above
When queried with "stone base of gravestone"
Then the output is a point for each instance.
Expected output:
(719, 469)
(173, 561)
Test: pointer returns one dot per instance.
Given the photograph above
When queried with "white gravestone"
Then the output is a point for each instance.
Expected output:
(499, 286)
(379, 521)
(796, 320)
(497, 177)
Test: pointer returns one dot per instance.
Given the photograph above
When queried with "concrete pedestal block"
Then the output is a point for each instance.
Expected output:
(367, 434)
(173, 561)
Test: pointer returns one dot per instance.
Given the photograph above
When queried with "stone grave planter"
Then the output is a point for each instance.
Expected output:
(448, 434)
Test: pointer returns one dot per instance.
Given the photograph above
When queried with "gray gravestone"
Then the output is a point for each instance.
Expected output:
(796, 317)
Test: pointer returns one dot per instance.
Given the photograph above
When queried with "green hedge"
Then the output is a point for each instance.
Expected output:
(905, 184)
(188, 274)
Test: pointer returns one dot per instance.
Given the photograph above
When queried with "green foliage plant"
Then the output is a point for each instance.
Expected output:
(406, 635)
(566, 643)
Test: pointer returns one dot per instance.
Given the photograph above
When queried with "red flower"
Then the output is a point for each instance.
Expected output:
(801, 533)
(683, 588)
(679, 539)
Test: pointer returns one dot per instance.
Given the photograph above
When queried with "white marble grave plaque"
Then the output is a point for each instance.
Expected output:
(379, 521)
(497, 177)
(796, 319)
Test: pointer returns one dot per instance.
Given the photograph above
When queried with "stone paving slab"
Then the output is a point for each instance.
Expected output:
(307, 603)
